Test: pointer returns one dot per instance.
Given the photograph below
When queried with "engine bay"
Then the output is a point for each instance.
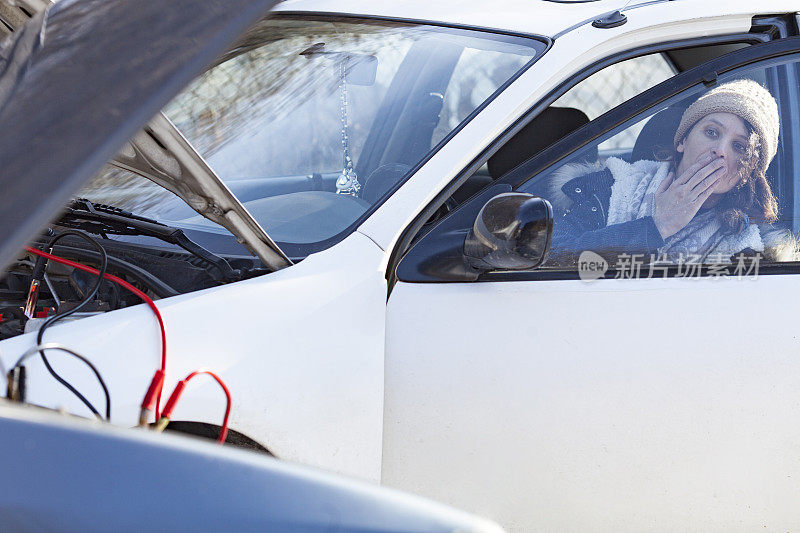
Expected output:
(34, 289)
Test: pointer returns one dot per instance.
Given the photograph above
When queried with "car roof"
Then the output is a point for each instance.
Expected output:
(547, 18)
(538, 17)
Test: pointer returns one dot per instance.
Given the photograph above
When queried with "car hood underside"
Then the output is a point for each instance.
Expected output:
(80, 79)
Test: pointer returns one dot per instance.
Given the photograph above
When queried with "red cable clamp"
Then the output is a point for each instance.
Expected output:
(149, 401)
(176, 394)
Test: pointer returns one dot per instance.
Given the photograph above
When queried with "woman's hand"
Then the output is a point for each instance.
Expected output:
(678, 200)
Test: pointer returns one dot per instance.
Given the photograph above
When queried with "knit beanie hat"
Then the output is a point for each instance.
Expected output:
(746, 99)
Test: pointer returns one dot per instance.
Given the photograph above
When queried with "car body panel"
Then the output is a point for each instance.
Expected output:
(535, 17)
(301, 349)
(576, 406)
(539, 17)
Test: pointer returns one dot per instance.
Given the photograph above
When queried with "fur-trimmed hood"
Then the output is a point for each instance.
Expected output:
(557, 181)
(568, 183)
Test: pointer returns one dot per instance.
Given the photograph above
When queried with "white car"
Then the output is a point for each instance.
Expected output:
(329, 170)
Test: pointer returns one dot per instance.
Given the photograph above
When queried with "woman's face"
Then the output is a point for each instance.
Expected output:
(723, 135)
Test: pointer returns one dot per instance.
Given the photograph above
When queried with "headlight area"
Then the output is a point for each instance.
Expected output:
(53, 283)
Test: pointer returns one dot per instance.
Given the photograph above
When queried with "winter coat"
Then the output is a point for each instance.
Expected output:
(581, 196)
(581, 212)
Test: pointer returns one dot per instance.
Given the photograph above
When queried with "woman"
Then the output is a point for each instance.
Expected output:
(708, 199)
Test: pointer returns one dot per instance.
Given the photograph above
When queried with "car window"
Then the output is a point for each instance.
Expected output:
(477, 75)
(609, 87)
(717, 193)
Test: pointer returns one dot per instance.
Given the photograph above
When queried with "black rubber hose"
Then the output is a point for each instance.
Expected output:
(142, 276)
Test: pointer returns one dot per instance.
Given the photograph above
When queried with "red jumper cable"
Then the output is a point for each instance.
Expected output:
(176, 394)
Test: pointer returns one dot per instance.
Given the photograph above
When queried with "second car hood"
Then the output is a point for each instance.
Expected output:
(160, 153)
(81, 79)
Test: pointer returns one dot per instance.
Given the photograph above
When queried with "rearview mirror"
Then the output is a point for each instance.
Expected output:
(360, 69)
(511, 232)
(357, 69)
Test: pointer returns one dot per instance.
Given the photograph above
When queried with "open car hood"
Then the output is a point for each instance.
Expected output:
(80, 80)
(160, 153)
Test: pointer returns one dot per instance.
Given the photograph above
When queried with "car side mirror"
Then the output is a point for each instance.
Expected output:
(512, 231)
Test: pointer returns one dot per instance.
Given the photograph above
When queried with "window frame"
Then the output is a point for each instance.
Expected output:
(706, 73)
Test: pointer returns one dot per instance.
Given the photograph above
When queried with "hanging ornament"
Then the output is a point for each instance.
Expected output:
(347, 183)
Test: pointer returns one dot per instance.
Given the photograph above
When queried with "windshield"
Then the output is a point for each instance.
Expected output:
(311, 122)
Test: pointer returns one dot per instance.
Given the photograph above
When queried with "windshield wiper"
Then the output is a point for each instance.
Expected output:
(103, 220)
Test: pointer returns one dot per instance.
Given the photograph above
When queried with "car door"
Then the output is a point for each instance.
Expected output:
(644, 399)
